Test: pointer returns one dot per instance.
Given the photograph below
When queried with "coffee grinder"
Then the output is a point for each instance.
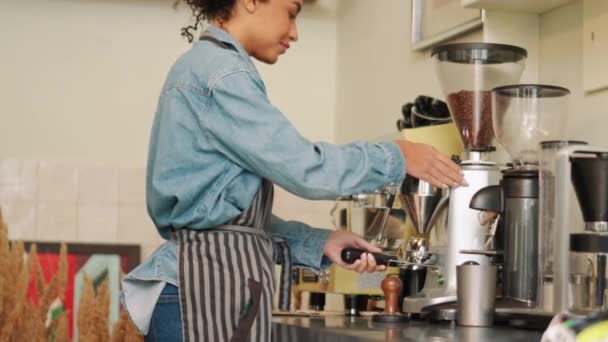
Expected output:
(523, 116)
(467, 73)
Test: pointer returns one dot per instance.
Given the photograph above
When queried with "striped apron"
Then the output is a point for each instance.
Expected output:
(226, 276)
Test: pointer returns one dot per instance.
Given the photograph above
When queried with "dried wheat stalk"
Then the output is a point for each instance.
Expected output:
(33, 256)
(12, 313)
(48, 296)
(28, 327)
(93, 312)
(61, 329)
(62, 272)
(103, 311)
(4, 274)
(16, 258)
(86, 330)
(124, 330)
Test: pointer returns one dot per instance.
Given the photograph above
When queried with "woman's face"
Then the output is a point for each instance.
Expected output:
(273, 29)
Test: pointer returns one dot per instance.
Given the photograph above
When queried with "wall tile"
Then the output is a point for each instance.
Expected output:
(21, 217)
(98, 185)
(58, 182)
(57, 220)
(97, 223)
(131, 186)
(134, 225)
(18, 180)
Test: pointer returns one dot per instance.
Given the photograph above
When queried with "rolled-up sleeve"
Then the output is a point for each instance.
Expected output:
(242, 124)
(306, 243)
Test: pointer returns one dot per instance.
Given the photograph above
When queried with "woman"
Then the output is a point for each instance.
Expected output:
(217, 147)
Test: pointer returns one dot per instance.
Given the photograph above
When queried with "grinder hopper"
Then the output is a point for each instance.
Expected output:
(467, 73)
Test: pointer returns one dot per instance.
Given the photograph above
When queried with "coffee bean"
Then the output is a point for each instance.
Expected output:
(472, 113)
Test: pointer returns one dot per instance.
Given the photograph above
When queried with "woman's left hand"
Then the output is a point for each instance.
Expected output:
(340, 239)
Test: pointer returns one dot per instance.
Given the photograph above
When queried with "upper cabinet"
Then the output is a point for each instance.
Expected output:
(530, 6)
(595, 45)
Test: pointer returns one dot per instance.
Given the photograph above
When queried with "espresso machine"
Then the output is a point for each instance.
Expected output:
(363, 214)
(378, 217)
(467, 73)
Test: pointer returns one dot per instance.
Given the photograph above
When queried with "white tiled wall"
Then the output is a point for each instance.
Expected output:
(85, 202)
(76, 202)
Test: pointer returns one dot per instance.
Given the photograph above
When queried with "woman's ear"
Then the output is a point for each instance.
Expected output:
(250, 5)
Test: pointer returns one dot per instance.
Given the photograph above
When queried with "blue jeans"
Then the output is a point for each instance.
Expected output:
(166, 323)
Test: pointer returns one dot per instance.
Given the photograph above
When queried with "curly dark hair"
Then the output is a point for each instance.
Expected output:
(205, 10)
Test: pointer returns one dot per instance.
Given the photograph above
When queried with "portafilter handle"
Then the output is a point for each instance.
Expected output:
(350, 255)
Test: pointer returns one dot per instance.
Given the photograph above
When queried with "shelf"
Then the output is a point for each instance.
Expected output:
(528, 6)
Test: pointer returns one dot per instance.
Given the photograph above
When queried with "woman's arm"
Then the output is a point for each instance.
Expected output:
(242, 124)
(316, 248)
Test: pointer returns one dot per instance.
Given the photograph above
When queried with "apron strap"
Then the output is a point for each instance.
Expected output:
(283, 256)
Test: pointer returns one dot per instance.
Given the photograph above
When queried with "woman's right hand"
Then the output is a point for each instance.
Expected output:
(423, 161)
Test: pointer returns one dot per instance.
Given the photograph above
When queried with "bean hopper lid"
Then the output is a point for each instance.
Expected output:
(467, 73)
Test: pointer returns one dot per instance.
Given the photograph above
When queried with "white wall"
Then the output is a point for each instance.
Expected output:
(78, 89)
(519, 29)
(302, 84)
(561, 56)
(377, 71)
(80, 78)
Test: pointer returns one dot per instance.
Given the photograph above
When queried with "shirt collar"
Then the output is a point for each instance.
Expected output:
(228, 39)
(225, 37)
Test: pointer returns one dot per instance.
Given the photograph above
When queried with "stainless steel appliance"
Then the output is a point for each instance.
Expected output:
(467, 73)
(377, 216)
(516, 199)
(476, 294)
(523, 115)
(425, 206)
(589, 249)
(555, 218)
(566, 220)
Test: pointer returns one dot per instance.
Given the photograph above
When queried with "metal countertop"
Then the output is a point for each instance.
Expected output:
(341, 328)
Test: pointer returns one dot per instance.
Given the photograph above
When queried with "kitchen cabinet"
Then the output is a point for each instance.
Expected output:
(595, 45)
(529, 6)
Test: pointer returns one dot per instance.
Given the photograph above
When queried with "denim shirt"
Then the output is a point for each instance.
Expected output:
(214, 138)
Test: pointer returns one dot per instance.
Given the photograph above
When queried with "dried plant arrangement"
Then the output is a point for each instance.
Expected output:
(23, 320)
